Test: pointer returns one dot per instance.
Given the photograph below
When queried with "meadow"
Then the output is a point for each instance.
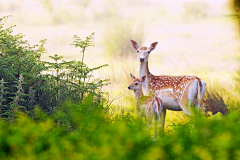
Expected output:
(65, 67)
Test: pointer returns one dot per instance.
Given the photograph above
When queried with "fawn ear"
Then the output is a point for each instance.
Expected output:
(134, 44)
(153, 46)
(143, 78)
(132, 76)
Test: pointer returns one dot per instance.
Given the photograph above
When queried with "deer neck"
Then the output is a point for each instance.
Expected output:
(138, 94)
(144, 70)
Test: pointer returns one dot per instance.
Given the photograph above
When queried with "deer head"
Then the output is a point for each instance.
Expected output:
(143, 52)
(135, 84)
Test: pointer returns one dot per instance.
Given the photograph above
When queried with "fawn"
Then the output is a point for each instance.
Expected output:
(147, 106)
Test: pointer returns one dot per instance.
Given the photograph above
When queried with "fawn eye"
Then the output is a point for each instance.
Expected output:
(137, 51)
(136, 83)
(148, 51)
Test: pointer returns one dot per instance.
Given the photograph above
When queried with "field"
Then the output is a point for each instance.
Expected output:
(196, 37)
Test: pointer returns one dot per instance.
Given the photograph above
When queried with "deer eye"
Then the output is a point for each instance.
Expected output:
(137, 51)
(136, 83)
(148, 51)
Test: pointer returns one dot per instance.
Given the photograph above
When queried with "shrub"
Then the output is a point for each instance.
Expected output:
(24, 85)
(87, 131)
(17, 58)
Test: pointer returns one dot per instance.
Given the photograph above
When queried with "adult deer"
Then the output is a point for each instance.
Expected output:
(148, 107)
(178, 93)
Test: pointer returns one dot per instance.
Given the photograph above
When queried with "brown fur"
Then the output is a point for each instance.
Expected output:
(177, 83)
(143, 48)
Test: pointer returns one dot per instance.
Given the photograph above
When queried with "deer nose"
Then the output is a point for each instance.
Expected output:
(129, 87)
(142, 59)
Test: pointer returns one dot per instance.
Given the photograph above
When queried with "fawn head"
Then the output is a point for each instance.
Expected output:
(143, 52)
(135, 84)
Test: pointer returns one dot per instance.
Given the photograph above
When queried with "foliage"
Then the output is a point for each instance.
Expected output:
(17, 58)
(28, 82)
(87, 130)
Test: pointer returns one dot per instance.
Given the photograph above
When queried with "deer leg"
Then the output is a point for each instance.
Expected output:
(162, 119)
(189, 99)
(203, 88)
(156, 122)
(186, 109)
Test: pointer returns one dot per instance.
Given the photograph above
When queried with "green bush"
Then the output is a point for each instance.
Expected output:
(76, 131)
(19, 61)
(87, 130)
(28, 82)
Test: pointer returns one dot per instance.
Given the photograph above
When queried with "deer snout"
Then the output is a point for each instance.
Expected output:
(142, 59)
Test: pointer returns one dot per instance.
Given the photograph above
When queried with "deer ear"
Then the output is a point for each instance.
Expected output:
(132, 76)
(153, 46)
(134, 44)
(143, 78)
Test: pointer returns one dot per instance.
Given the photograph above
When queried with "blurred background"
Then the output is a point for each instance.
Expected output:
(199, 37)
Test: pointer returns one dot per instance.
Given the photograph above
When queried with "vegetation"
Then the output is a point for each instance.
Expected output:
(87, 130)
(56, 110)
(235, 5)
(26, 81)
(117, 36)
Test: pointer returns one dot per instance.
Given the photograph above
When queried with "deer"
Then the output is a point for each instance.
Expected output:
(178, 93)
(148, 107)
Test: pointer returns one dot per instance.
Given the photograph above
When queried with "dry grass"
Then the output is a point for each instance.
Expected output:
(117, 38)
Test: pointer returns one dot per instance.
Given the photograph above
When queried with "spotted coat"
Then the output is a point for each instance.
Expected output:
(178, 84)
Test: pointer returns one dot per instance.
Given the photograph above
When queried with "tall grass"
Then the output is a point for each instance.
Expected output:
(215, 98)
(214, 103)
(235, 6)
(118, 34)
